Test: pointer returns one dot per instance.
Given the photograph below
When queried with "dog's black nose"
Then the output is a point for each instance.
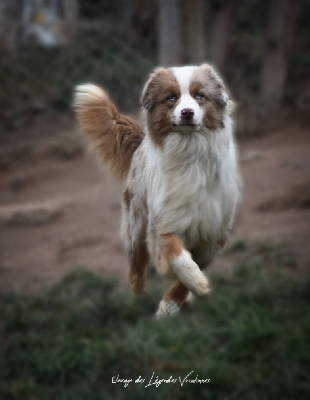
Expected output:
(187, 113)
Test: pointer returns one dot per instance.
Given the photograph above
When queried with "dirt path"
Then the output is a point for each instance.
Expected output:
(57, 215)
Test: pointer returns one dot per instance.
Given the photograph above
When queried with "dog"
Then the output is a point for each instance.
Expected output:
(180, 166)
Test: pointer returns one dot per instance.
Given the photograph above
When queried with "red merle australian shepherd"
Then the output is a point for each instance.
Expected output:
(181, 174)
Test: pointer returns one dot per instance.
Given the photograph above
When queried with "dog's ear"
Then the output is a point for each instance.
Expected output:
(216, 87)
(146, 100)
(228, 103)
(148, 97)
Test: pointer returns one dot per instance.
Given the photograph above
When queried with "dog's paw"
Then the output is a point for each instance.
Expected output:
(190, 299)
(167, 308)
(190, 275)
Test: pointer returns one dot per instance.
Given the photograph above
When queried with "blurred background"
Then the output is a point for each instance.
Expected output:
(65, 328)
(260, 47)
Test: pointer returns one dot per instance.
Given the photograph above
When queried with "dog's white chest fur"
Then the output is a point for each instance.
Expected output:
(192, 185)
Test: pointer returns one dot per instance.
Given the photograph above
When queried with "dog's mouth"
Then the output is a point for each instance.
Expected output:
(185, 125)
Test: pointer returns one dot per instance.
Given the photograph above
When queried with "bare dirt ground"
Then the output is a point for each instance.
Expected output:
(59, 211)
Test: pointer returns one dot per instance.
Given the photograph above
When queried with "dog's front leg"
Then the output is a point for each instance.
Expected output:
(174, 260)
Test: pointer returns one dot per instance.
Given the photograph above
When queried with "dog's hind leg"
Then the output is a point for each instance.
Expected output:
(133, 234)
(173, 300)
(138, 259)
(173, 259)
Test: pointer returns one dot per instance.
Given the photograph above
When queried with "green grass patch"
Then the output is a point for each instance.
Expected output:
(250, 338)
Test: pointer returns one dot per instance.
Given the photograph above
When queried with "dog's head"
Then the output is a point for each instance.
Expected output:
(185, 99)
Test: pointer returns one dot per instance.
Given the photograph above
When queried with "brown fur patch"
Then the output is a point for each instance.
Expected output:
(177, 293)
(115, 137)
(206, 81)
(155, 99)
(169, 247)
(173, 246)
(139, 258)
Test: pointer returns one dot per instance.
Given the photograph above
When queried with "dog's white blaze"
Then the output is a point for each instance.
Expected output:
(183, 76)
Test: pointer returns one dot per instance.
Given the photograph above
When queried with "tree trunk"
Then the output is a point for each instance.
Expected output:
(9, 24)
(195, 14)
(127, 10)
(169, 32)
(278, 40)
(71, 16)
(218, 36)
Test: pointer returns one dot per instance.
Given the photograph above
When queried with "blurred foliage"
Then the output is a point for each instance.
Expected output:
(39, 79)
(119, 53)
(250, 338)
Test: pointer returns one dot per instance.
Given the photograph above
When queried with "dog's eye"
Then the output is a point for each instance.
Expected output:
(199, 96)
(172, 98)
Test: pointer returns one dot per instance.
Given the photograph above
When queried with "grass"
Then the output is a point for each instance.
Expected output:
(250, 338)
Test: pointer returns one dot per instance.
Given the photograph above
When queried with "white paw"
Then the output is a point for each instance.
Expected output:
(190, 298)
(166, 308)
(189, 274)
